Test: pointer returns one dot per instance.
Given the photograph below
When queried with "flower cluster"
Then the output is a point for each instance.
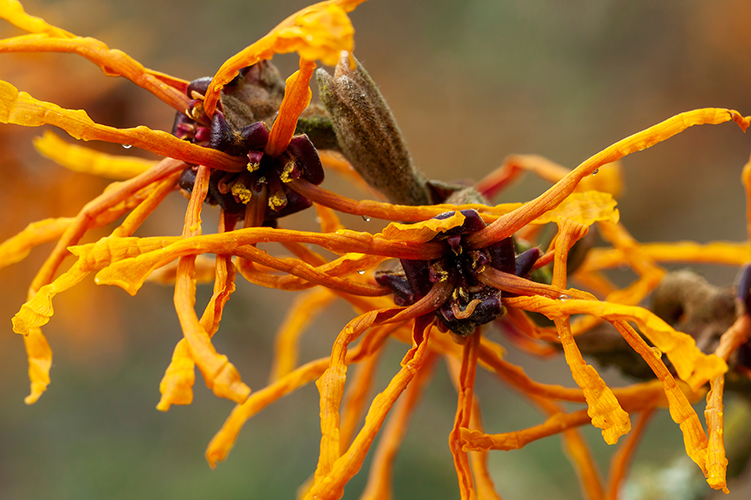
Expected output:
(458, 265)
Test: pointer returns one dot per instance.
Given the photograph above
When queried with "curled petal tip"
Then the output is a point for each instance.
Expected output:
(742, 121)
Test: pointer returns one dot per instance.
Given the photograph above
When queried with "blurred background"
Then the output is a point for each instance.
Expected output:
(469, 83)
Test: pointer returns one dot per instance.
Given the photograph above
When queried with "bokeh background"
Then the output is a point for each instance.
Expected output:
(469, 82)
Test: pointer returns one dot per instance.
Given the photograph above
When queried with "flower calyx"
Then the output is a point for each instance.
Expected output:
(471, 303)
(240, 127)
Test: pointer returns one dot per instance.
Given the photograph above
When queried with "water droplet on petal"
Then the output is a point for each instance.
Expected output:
(360, 271)
(127, 146)
(597, 170)
(563, 297)
(366, 218)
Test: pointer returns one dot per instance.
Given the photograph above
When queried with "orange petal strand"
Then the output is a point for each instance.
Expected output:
(609, 178)
(222, 443)
(331, 485)
(514, 375)
(39, 355)
(38, 310)
(219, 374)
(355, 399)
(474, 440)
(509, 224)
(634, 398)
(173, 81)
(113, 249)
(692, 365)
(478, 461)
(305, 254)
(746, 180)
(511, 283)
(302, 312)
(717, 463)
(327, 275)
(112, 62)
(604, 408)
(681, 410)
(176, 386)
(331, 389)
(116, 199)
(297, 96)
(464, 414)
(89, 161)
(650, 274)
(330, 222)
(224, 440)
(422, 232)
(513, 166)
(318, 32)
(387, 211)
(16, 248)
(224, 286)
(734, 337)
(379, 485)
(569, 233)
(12, 11)
(331, 383)
(585, 208)
(716, 252)
(583, 461)
(20, 108)
(132, 273)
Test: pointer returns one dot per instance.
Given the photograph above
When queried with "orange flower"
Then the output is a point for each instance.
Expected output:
(462, 266)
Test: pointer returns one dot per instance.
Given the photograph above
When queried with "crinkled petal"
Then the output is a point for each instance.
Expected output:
(20, 108)
(318, 32)
(112, 62)
(16, 248)
(604, 409)
(114, 249)
(331, 384)
(38, 310)
(717, 462)
(422, 232)
(329, 484)
(681, 411)
(12, 11)
(509, 224)
(692, 365)
(39, 355)
(130, 274)
(177, 384)
(585, 208)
